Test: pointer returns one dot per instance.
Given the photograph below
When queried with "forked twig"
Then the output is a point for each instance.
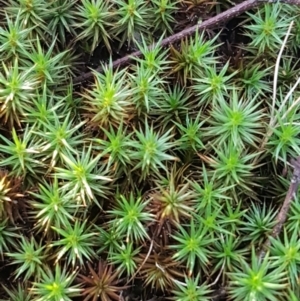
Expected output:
(282, 215)
(210, 23)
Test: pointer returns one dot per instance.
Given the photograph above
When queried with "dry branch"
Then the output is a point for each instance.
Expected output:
(213, 22)
(282, 215)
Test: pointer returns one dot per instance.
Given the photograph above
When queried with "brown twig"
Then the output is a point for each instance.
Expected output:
(280, 218)
(282, 215)
(210, 23)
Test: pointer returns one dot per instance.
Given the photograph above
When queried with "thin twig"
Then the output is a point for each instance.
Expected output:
(276, 71)
(294, 104)
(273, 118)
(291, 91)
(282, 215)
(142, 264)
(219, 275)
(213, 22)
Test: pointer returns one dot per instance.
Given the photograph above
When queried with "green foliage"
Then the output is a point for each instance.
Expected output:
(291, 295)
(95, 17)
(286, 254)
(155, 59)
(293, 218)
(116, 148)
(212, 220)
(288, 71)
(30, 257)
(146, 89)
(151, 150)
(42, 109)
(125, 259)
(258, 224)
(55, 285)
(227, 254)
(285, 140)
(191, 291)
(195, 56)
(257, 280)
(52, 207)
(296, 30)
(20, 153)
(13, 38)
(268, 28)
(76, 240)
(208, 192)
(32, 13)
(62, 19)
(59, 136)
(17, 294)
(16, 91)
(233, 166)
(213, 85)
(190, 134)
(46, 65)
(108, 103)
(172, 107)
(8, 237)
(108, 240)
(192, 246)
(81, 177)
(130, 217)
(133, 18)
(233, 216)
(253, 80)
(166, 166)
(237, 121)
(163, 13)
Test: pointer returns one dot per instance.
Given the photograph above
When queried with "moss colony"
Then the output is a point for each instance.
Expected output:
(158, 180)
